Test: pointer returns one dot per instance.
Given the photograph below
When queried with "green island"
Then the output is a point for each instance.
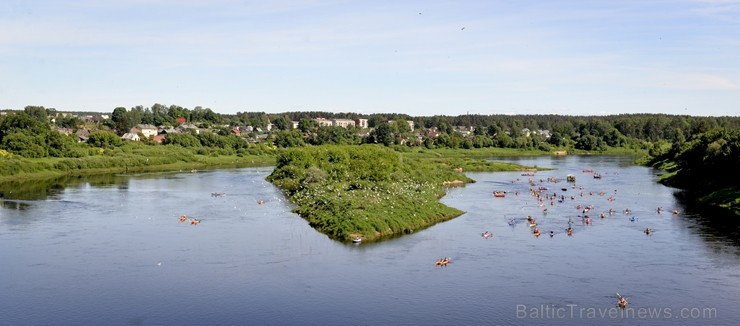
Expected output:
(370, 192)
(367, 177)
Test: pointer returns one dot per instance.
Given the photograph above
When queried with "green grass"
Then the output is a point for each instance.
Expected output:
(122, 160)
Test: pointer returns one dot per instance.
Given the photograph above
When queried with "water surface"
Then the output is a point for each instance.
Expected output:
(113, 252)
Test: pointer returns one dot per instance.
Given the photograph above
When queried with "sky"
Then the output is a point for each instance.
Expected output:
(421, 58)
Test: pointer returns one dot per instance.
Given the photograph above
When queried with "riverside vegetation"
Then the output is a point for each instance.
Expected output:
(705, 167)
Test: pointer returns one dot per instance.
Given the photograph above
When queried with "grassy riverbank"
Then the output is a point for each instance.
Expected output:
(128, 159)
(371, 191)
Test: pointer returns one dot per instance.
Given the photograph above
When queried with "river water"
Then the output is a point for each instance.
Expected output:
(112, 251)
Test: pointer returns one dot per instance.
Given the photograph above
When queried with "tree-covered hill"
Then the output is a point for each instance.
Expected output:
(706, 166)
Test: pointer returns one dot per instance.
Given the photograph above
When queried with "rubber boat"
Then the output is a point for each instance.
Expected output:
(443, 262)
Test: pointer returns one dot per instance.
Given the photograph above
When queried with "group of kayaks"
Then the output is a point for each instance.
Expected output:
(443, 262)
(193, 221)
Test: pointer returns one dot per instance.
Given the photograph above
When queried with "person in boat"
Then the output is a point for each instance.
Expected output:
(648, 231)
(183, 218)
(570, 231)
(622, 303)
(552, 233)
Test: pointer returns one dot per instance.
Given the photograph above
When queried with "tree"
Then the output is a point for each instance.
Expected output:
(21, 121)
(384, 134)
(125, 120)
(104, 139)
(503, 140)
(24, 144)
(589, 143)
(289, 138)
(305, 125)
(281, 122)
(37, 112)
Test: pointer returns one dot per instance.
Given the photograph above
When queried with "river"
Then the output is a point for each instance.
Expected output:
(112, 251)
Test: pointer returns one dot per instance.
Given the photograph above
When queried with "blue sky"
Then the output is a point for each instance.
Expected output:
(579, 57)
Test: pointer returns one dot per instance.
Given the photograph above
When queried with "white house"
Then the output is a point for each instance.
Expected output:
(131, 137)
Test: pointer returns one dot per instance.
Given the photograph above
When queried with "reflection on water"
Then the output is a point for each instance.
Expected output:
(51, 188)
(7, 204)
(720, 228)
(112, 251)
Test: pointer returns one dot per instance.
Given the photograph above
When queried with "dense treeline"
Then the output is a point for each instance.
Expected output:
(706, 166)
(650, 127)
(29, 135)
(588, 133)
(32, 133)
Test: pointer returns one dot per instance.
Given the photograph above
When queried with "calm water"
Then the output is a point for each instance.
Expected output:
(112, 252)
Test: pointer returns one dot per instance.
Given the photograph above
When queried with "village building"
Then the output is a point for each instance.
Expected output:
(324, 122)
(144, 129)
(362, 123)
(131, 136)
(344, 123)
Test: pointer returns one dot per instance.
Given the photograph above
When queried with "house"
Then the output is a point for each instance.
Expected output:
(236, 131)
(431, 132)
(411, 124)
(324, 122)
(82, 135)
(65, 131)
(186, 127)
(464, 131)
(344, 123)
(168, 131)
(131, 137)
(362, 123)
(159, 138)
(295, 124)
(144, 129)
(181, 120)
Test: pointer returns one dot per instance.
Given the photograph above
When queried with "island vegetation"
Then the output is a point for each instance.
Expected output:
(369, 192)
(39, 142)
